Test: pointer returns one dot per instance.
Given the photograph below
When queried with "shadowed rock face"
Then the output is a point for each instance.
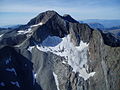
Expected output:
(43, 17)
(15, 71)
(103, 56)
(69, 18)
(56, 25)
(110, 39)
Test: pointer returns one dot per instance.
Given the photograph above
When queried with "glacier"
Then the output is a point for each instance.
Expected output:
(76, 56)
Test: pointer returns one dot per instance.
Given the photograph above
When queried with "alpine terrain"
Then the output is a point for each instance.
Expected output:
(54, 52)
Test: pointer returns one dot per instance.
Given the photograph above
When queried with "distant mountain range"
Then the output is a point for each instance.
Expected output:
(96, 26)
(113, 28)
(106, 23)
(102, 23)
(11, 26)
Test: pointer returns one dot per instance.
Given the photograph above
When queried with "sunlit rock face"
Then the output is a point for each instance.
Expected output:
(64, 54)
(104, 60)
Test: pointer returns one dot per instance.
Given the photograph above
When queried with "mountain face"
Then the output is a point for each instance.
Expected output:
(15, 71)
(53, 52)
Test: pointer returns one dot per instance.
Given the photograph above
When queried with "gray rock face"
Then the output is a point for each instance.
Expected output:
(80, 32)
(105, 61)
(11, 38)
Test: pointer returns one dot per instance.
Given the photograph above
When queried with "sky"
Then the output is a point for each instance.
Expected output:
(21, 11)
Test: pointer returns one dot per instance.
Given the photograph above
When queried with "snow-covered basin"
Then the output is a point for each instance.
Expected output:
(76, 56)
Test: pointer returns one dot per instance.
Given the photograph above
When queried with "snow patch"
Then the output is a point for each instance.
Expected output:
(11, 70)
(56, 80)
(59, 48)
(29, 30)
(82, 46)
(30, 48)
(84, 74)
(1, 35)
(64, 62)
(35, 75)
(76, 56)
(15, 83)
(25, 31)
(39, 24)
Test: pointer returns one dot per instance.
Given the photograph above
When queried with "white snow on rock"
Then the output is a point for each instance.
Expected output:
(82, 46)
(56, 80)
(84, 74)
(64, 62)
(29, 30)
(30, 48)
(25, 31)
(76, 56)
(39, 24)
(11, 70)
(35, 75)
(1, 35)
(15, 83)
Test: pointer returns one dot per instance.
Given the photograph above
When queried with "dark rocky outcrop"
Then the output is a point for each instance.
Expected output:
(110, 39)
(16, 71)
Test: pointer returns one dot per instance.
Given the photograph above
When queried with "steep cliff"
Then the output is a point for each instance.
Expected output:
(16, 71)
(105, 61)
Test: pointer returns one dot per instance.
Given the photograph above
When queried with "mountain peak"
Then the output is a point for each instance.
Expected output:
(47, 15)
(43, 17)
(50, 12)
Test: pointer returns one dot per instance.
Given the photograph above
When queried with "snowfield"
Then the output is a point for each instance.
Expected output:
(76, 56)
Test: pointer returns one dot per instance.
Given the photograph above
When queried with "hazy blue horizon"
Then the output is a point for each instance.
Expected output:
(21, 11)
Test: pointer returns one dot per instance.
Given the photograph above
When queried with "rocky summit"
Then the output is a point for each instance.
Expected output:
(54, 52)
